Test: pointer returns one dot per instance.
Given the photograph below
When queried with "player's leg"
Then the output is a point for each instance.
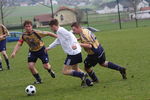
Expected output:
(31, 66)
(90, 62)
(45, 60)
(6, 59)
(76, 67)
(48, 67)
(3, 51)
(1, 68)
(85, 80)
(32, 58)
(67, 70)
(104, 63)
(70, 62)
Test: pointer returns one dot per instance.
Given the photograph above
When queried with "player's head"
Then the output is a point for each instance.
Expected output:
(54, 25)
(76, 28)
(27, 25)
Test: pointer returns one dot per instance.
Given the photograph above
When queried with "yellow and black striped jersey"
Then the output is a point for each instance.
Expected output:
(88, 37)
(34, 39)
(3, 31)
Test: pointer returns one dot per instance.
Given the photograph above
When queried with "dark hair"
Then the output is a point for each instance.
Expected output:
(75, 24)
(53, 22)
(26, 22)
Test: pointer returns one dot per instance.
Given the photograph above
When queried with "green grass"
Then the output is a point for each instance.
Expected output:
(129, 48)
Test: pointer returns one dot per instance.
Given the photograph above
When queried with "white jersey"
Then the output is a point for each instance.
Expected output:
(66, 39)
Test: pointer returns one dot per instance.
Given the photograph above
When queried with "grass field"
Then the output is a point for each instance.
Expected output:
(129, 48)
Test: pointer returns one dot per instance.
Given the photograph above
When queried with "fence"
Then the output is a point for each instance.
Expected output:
(111, 21)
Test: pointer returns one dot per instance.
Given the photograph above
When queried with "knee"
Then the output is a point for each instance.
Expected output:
(64, 72)
(46, 66)
(104, 64)
(31, 67)
(87, 69)
(4, 54)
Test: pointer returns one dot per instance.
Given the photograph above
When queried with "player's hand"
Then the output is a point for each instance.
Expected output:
(46, 49)
(1, 37)
(13, 55)
(74, 47)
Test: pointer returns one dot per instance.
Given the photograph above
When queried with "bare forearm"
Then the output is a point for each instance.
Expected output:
(84, 45)
(17, 47)
(52, 35)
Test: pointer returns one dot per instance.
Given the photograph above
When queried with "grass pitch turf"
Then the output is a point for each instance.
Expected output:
(128, 47)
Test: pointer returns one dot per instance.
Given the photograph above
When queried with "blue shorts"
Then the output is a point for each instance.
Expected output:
(41, 54)
(3, 45)
(73, 59)
(92, 60)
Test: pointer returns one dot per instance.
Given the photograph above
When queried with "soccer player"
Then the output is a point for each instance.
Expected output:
(96, 53)
(36, 49)
(3, 33)
(72, 48)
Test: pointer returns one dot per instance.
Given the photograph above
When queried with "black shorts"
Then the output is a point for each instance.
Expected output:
(73, 59)
(41, 54)
(3, 45)
(92, 60)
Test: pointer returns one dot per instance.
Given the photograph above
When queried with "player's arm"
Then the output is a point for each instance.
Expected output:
(3, 36)
(86, 45)
(45, 33)
(17, 47)
(5, 30)
(54, 44)
(52, 34)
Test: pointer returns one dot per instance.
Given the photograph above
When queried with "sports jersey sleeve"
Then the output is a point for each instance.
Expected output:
(86, 38)
(54, 44)
(21, 40)
(42, 33)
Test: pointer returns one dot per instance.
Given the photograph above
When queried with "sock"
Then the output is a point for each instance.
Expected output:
(114, 66)
(77, 74)
(49, 70)
(37, 77)
(7, 62)
(0, 63)
(93, 75)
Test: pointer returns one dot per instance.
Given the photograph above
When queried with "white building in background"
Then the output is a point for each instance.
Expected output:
(24, 4)
(47, 2)
(142, 4)
(140, 15)
(110, 9)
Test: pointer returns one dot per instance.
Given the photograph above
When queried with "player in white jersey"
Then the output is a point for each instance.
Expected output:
(72, 48)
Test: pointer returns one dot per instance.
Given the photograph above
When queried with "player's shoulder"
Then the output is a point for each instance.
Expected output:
(85, 30)
(62, 30)
(37, 31)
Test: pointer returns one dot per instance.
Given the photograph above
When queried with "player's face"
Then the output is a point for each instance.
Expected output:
(54, 28)
(76, 30)
(28, 28)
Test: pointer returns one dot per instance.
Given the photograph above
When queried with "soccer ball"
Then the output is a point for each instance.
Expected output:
(30, 90)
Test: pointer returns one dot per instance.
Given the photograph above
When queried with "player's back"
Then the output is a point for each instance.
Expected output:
(67, 40)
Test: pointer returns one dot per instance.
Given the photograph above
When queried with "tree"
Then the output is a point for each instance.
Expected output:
(79, 14)
(6, 8)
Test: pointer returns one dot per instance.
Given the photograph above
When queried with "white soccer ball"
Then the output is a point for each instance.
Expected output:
(30, 90)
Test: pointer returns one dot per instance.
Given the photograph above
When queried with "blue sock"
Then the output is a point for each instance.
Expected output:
(114, 66)
(77, 74)
(93, 76)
